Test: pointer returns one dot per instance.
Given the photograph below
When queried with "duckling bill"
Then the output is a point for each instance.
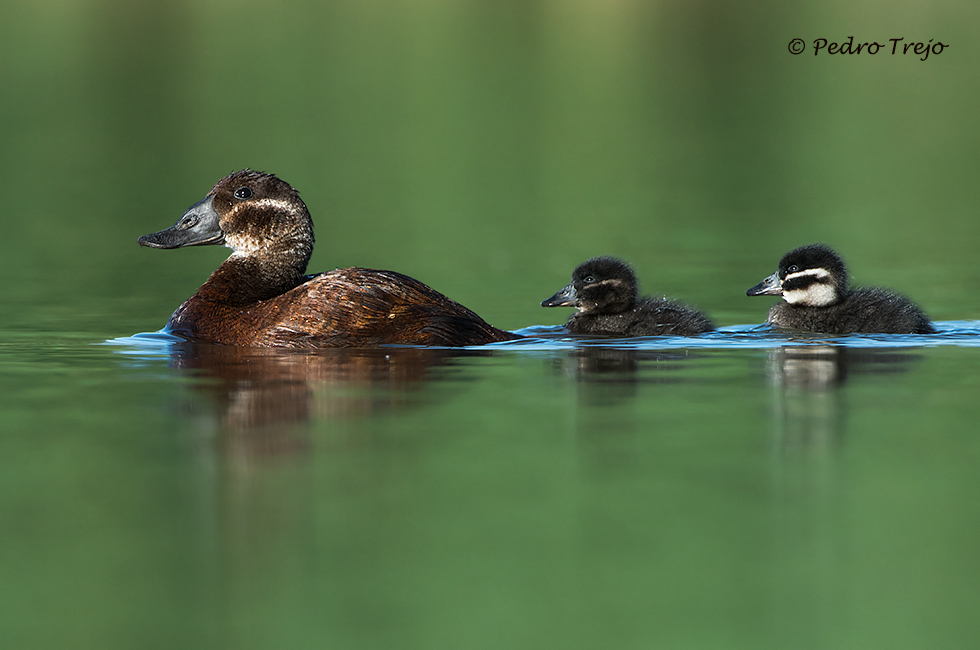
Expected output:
(261, 296)
(604, 291)
(812, 281)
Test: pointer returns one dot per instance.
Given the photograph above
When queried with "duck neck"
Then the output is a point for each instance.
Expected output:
(245, 279)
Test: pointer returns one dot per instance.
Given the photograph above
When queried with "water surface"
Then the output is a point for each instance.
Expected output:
(786, 491)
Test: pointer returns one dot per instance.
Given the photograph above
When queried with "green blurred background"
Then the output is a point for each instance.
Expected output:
(699, 498)
(488, 147)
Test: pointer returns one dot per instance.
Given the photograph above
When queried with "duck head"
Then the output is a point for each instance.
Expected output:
(252, 213)
(265, 224)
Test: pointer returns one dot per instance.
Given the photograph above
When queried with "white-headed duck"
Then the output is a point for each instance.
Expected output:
(261, 296)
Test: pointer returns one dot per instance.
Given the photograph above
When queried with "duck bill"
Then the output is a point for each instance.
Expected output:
(197, 227)
(564, 298)
(771, 286)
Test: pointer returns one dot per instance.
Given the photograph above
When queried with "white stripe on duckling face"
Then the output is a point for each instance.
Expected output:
(817, 294)
(820, 274)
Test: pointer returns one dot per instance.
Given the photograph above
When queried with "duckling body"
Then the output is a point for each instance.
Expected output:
(650, 317)
(813, 282)
(261, 296)
(604, 290)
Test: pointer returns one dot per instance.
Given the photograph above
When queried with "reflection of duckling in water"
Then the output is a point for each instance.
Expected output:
(604, 291)
(262, 297)
(813, 282)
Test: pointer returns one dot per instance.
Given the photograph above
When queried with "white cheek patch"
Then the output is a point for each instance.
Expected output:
(243, 245)
(262, 204)
(815, 295)
(819, 274)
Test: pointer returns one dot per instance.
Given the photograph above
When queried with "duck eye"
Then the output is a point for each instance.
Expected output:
(793, 269)
(589, 279)
(243, 193)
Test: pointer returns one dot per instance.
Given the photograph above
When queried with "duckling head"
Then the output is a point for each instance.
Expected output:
(808, 276)
(600, 285)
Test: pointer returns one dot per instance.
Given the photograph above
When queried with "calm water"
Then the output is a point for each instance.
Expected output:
(744, 489)
(732, 490)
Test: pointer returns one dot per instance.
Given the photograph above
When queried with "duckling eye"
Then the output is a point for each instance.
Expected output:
(243, 193)
(793, 269)
(589, 279)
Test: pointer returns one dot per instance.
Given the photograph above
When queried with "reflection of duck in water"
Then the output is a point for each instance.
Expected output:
(262, 297)
(260, 398)
(604, 291)
(813, 282)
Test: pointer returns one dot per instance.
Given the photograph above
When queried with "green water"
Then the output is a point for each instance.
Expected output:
(730, 492)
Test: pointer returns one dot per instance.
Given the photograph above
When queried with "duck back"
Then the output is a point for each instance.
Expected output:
(351, 307)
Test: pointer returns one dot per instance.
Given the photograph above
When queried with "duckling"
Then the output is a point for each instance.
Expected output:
(261, 296)
(604, 291)
(813, 281)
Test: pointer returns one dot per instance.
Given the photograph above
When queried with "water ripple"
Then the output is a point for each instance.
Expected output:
(554, 337)
(762, 336)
